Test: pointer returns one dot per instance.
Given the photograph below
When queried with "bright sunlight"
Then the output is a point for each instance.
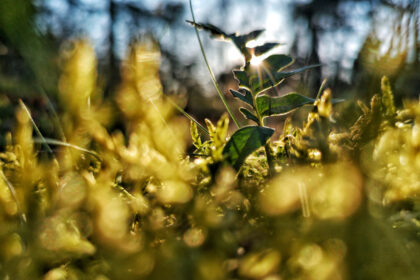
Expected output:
(256, 60)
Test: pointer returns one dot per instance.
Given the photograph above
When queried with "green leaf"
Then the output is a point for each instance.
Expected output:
(246, 97)
(215, 31)
(276, 62)
(222, 127)
(268, 106)
(258, 79)
(387, 98)
(266, 79)
(245, 38)
(211, 129)
(241, 40)
(259, 50)
(282, 75)
(242, 78)
(264, 76)
(195, 135)
(244, 142)
(248, 114)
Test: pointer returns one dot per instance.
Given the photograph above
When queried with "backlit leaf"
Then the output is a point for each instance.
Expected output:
(268, 106)
(276, 62)
(282, 75)
(195, 135)
(244, 142)
(242, 78)
(265, 75)
(222, 127)
(387, 98)
(246, 97)
(211, 128)
(259, 50)
(215, 31)
(241, 40)
(248, 115)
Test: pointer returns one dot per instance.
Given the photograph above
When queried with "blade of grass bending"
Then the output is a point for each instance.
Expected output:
(54, 115)
(321, 88)
(36, 127)
(65, 144)
(188, 116)
(14, 196)
(213, 78)
(165, 123)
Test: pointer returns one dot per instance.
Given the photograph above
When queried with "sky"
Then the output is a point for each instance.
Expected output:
(337, 47)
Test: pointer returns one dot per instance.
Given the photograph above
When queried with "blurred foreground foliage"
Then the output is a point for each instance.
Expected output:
(128, 203)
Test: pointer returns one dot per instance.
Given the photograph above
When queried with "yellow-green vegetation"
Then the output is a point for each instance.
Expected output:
(339, 202)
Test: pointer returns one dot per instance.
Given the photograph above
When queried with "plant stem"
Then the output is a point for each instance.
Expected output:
(54, 115)
(188, 116)
(270, 159)
(14, 197)
(321, 88)
(267, 148)
(36, 127)
(213, 78)
(65, 144)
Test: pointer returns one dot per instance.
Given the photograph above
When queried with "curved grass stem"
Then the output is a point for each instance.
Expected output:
(36, 127)
(54, 115)
(321, 88)
(14, 197)
(50, 141)
(213, 78)
(188, 116)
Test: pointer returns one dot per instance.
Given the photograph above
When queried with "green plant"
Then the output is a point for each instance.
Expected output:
(254, 81)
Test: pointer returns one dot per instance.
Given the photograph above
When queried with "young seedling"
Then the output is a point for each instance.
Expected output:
(253, 81)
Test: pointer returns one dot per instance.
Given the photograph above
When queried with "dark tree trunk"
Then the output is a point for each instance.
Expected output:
(114, 76)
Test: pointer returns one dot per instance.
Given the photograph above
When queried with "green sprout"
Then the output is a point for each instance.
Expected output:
(259, 73)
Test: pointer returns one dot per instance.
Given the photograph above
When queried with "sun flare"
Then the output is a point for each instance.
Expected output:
(256, 60)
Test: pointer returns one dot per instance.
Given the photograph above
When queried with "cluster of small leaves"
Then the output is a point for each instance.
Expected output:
(310, 143)
(212, 149)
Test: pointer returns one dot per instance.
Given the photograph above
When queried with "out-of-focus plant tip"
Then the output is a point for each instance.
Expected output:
(144, 200)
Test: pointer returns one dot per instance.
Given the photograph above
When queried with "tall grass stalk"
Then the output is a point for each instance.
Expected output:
(36, 127)
(213, 78)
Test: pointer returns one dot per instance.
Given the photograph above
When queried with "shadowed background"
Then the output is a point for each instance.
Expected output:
(355, 41)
